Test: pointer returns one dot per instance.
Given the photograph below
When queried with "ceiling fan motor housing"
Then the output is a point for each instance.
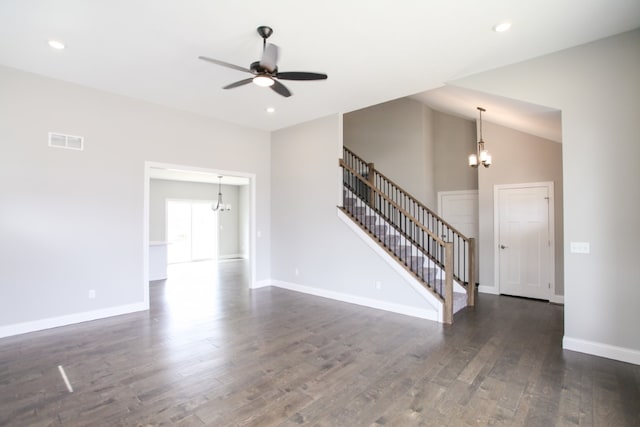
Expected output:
(257, 69)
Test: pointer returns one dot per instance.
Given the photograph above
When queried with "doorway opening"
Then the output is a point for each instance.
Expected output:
(179, 219)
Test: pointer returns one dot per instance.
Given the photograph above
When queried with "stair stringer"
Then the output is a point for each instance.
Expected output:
(436, 304)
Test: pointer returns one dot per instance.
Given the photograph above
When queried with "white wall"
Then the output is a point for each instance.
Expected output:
(597, 87)
(307, 233)
(517, 158)
(228, 221)
(71, 221)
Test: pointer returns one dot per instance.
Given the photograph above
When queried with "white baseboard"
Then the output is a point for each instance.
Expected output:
(261, 284)
(231, 256)
(353, 299)
(603, 350)
(557, 299)
(401, 271)
(488, 290)
(70, 319)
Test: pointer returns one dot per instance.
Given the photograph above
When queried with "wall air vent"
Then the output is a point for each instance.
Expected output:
(60, 140)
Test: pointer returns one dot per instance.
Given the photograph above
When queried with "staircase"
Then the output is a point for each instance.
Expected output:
(439, 257)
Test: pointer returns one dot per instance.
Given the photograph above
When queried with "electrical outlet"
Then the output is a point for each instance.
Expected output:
(378, 284)
(297, 272)
(92, 294)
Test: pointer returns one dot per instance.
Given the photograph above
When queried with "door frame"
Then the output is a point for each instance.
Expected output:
(551, 222)
(145, 219)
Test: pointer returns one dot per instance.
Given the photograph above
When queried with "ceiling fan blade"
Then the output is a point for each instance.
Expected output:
(301, 75)
(280, 89)
(269, 59)
(225, 64)
(239, 83)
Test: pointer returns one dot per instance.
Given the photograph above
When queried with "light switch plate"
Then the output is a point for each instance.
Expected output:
(580, 247)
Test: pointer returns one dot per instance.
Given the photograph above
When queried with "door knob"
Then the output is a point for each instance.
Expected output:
(503, 247)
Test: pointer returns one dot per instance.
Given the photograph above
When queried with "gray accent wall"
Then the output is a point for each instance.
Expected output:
(421, 149)
(229, 222)
(396, 137)
(72, 221)
(454, 139)
(597, 88)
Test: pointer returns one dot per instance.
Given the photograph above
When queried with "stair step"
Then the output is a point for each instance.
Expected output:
(459, 301)
(357, 210)
(349, 201)
(414, 262)
(402, 250)
(379, 230)
(367, 220)
(391, 240)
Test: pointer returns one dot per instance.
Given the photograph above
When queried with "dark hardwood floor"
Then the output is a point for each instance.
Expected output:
(210, 352)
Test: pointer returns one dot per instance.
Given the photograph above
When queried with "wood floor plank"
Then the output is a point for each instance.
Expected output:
(210, 352)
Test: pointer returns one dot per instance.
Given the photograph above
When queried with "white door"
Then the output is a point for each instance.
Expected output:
(460, 210)
(524, 238)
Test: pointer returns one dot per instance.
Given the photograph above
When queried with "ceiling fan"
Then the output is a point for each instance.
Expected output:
(265, 72)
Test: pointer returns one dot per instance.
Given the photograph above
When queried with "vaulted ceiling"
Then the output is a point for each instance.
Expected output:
(373, 51)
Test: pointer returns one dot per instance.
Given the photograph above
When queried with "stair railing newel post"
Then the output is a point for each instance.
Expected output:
(448, 282)
(471, 275)
(371, 172)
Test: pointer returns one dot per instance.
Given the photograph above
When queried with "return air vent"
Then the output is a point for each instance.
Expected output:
(60, 140)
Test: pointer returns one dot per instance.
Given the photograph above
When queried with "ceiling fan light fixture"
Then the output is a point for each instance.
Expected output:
(263, 80)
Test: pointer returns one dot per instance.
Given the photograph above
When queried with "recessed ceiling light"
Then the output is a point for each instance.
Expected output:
(56, 44)
(271, 110)
(502, 27)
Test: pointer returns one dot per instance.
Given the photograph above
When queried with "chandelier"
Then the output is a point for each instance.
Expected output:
(219, 206)
(481, 155)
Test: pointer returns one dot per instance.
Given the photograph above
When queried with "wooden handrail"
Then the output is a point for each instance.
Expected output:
(431, 234)
(418, 202)
(421, 205)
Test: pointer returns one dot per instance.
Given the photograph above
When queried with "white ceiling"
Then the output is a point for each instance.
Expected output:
(533, 119)
(373, 51)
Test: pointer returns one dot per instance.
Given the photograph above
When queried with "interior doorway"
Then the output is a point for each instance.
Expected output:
(197, 231)
(525, 240)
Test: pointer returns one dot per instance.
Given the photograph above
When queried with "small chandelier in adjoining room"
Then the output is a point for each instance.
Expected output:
(481, 155)
(219, 206)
